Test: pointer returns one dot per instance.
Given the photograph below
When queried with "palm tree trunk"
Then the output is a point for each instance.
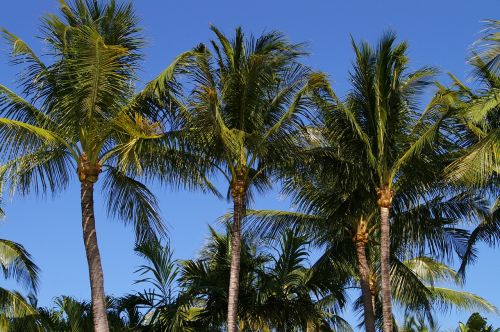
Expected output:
(385, 268)
(373, 290)
(93, 258)
(238, 193)
(360, 239)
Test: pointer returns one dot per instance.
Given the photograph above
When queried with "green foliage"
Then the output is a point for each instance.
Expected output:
(16, 263)
(82, 106)
(246, 103)
(247, 108)
(476, 323)
(279, 288)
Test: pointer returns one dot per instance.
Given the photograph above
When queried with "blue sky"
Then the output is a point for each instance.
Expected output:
(439, 33)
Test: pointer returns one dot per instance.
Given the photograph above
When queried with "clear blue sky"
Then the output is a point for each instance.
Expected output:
(439, 33)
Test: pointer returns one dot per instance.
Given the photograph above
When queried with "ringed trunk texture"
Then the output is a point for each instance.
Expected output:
(99, 316)
(385, 269)
(238, 193)
(360, 240)
(373, 289)
(385, 196)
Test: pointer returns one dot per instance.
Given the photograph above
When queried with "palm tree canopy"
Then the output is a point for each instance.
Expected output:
(247, 102)
(280, 289)
(79, 111)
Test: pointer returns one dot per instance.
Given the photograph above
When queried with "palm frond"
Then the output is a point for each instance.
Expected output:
(133, 203)
(17, 263)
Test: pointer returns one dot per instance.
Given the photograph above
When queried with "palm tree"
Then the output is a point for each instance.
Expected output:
(298, 297)
(476, 114)
(476, 111)
(68, 314)
(246, 103)
(373, 143)
(280, 290)
(80, 112)
(339, 212)
(167, 308)
(383, 106)
(416, 324)
(476, 323)
(205, 282)
(392, 142)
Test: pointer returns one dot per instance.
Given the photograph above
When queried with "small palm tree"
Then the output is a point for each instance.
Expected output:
(16, 263)
(205, 282)
(416, 324)
(167, 309)
(246, 105)
(298, 297)
(80, 113)
(68, 314)
(280, 291)
(476, 323)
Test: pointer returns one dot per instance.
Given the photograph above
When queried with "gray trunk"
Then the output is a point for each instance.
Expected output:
(99, 316)
(385, 268)
(234, 278)
(364, 274)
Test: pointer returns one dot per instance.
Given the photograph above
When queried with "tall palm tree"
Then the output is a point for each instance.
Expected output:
(245, 104)
(392, 142)
(429, 227)
(339, 212)
(79, 112)
(374, 142)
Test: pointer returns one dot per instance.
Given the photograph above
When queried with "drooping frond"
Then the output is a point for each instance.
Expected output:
(133, 203)
(432, 271)
(35, 73)
(44, 170)
(487, 231)
(480, 163)
(13, 306)
(489, 46)
(16, 263)
(443, 297)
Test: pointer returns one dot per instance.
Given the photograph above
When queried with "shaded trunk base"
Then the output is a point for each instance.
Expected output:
(360, 240)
